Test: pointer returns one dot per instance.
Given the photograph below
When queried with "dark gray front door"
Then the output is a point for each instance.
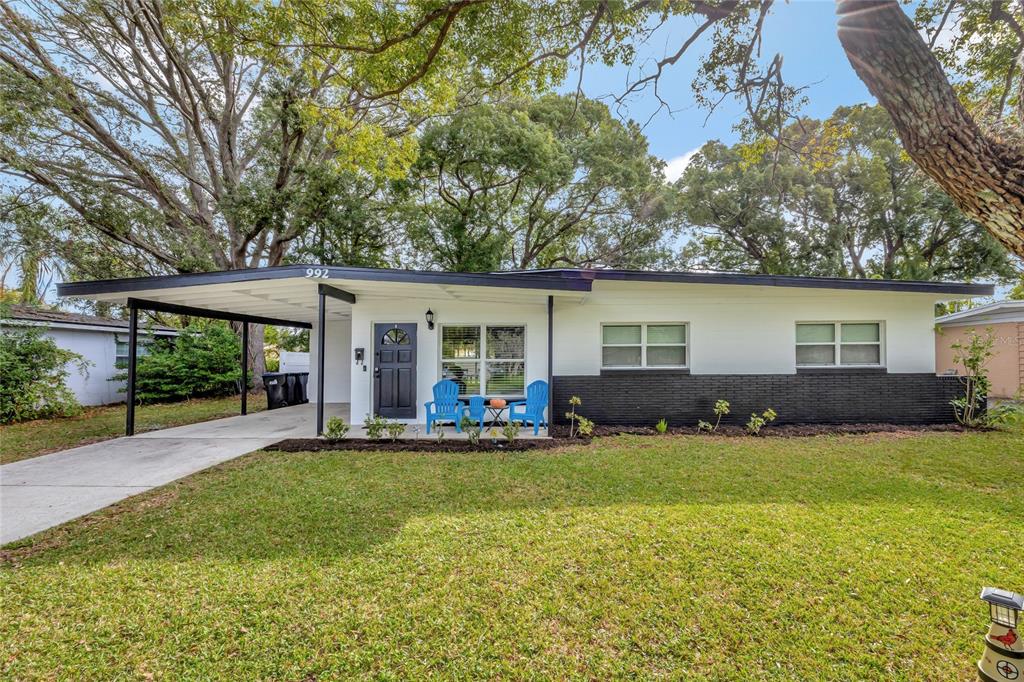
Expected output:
(394, 370)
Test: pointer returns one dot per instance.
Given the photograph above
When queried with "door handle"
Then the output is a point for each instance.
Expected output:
(376, 372)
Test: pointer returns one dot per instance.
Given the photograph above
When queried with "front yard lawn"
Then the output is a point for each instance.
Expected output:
(30, 439)
(826, 558)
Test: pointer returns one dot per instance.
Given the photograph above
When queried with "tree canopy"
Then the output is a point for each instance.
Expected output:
(551, 182)
(848, 202)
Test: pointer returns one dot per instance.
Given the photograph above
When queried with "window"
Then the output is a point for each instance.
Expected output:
(643, 345)
(830, 344)
(484, 360)
(120, 353)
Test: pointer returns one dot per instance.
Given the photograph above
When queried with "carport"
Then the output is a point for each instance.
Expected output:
(320, 298)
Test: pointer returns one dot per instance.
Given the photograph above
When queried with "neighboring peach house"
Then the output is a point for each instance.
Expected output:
(1006, 320)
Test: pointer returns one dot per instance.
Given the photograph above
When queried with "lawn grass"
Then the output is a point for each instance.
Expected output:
(30, 439)
(826, 558)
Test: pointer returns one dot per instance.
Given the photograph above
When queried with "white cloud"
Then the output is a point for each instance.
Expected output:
(675, 166)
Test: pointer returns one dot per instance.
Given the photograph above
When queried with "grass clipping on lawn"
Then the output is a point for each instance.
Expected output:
(828, 558)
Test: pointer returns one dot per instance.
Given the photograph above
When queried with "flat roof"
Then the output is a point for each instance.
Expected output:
(558, 279)
(692, 277)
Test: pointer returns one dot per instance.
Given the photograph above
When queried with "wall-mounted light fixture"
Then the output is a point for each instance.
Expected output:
(430, 318)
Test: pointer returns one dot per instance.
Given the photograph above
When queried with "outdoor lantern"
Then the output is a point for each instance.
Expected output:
(430, 318)
(1004, 649)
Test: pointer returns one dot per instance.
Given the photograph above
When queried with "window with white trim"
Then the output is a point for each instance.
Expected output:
(485, 359)
(121, 351)
(834, 344)
(646, 344)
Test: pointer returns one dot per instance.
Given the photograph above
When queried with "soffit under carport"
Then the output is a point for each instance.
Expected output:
(296, 298)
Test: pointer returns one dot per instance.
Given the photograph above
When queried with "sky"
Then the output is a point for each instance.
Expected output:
(802, 31)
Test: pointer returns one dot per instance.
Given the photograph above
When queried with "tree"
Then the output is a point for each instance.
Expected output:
(555, 181)
(892, 220)
(980, 169)
(192, 136)
(24, 227)
(846, 202)
(743, 215)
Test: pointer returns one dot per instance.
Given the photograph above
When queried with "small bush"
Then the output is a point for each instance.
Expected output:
(586, 427)
(661, 426)
(472, 430)
(705, 426)
(33, 376)
(336, 428)
(511, 430)
(375, 426)
(577, 429)
(395, 429)
(1006, 414)
(757, 422)
(973, 354)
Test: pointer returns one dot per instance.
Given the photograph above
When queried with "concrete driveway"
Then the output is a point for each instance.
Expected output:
(42, 492)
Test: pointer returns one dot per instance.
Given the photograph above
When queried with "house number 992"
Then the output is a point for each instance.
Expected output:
(318, 273)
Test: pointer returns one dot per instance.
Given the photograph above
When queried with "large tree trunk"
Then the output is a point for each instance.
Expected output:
(983, 176)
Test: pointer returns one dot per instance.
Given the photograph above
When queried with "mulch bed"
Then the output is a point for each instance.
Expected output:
(559, 437)
(425, 444)
(780, 431)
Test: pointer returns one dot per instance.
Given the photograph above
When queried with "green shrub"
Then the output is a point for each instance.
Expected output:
(661, 426)
(395, 429)
(33, 376)
(336, 428)
(375, 426)
(1008, 414)
(472, 430)
(969, 409)
(586, 426)
(757, 422)
(203, 361)
(511, 430)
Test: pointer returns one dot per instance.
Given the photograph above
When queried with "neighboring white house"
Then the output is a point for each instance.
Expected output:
(635, 346)
(102, 341)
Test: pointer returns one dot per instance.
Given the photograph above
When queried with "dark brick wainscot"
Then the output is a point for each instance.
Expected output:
(642, 397)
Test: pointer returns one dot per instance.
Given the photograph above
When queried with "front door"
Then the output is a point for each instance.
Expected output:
(394, 370)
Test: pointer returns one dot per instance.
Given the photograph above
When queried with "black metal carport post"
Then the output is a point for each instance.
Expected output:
(321, 332)
(245, 367)
(133, 343)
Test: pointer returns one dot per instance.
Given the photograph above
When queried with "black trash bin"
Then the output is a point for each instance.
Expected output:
(276, 385)
(289, 388)
(303, 379)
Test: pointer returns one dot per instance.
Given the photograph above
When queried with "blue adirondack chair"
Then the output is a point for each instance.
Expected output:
(532, 409)
(446, 405)
(476, 410)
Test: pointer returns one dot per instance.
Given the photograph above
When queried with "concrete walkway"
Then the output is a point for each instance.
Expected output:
(42, 492)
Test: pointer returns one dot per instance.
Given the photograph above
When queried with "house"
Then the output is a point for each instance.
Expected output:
(102, 341)
(1005, 319)
(635, 346)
